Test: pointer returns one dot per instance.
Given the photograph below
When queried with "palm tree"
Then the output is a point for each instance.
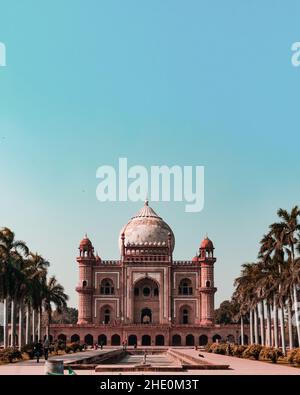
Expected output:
(290, 281)
(12, 253)
(265, 288)
(235, 301)
(289, 228)
(37, 273)
(285, 233)
(272, 251)
(21, 290)
(246, 294)
(266, 252)
(53, 293)
(23, 281)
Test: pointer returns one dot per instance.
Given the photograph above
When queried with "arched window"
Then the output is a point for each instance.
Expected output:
(185, 287)
(115, 340)
(207, 284)
(84, 283)
(185, 316)
(190, 340)
(75, 338)
(159, 340)
(203, 340)
(216, 338)
(132, 340)
(62, 337)
(102, 340)
(176, 340)
(107, 287)
(106, 316)
(146, 340)
(146, 291)
(89, 340)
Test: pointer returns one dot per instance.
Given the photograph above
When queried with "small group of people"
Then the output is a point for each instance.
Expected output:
(40, 349)
(124, 345)
(96, 346)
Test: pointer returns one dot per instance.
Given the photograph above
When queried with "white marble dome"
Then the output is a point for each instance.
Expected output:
(147, 228)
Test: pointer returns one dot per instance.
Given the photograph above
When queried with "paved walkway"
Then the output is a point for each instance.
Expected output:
(238, 366)
(32, 367)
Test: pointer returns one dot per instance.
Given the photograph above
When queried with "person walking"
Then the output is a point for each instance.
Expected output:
(38, 348)
(46, 348)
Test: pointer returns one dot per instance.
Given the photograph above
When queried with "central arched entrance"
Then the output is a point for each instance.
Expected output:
(107, 315)
(146, 316)
(146, 302)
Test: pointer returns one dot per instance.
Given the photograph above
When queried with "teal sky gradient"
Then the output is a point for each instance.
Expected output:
(160, 82)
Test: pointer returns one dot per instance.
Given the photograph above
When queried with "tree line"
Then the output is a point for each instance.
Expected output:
(267, 289)
(27, 291)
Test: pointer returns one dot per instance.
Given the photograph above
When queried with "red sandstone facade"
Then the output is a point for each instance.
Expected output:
(146, 297)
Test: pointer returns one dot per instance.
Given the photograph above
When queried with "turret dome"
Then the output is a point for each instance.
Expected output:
(207, 244)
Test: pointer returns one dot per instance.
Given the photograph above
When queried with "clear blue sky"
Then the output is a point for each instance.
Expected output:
(159, 82)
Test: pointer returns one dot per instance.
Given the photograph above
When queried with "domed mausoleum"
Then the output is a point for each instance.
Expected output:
(146, 228)
(145, 298)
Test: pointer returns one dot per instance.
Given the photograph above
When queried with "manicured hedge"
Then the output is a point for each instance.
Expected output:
(253, 351)
(293, 357)
(10, 355)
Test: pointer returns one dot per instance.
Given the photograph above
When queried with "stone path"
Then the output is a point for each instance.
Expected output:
(238, 366)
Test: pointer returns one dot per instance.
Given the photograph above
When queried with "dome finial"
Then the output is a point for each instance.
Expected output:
(146, 201)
